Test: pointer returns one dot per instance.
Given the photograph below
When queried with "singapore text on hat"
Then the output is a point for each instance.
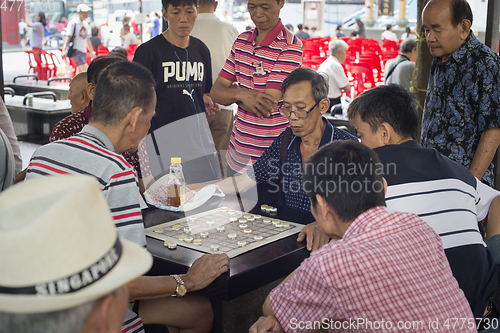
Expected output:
(82, 8)
(60, 246)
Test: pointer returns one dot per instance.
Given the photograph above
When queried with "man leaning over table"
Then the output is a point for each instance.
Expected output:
(382, 272)
(123, 105)
(259, 61)
(442, 192)
(305, 100)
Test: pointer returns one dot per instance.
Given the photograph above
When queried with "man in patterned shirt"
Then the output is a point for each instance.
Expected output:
(305, 100)
(259, 61)
(461, 111)
(383, 270)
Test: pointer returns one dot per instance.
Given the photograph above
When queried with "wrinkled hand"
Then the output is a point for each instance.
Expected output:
(210, 106)
(259, 103)
(315, 237)
(266, 324)
(205, 270)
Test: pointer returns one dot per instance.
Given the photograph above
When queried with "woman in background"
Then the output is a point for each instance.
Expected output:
(38, 33)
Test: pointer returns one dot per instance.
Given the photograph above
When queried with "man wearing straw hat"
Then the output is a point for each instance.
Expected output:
(66, 267)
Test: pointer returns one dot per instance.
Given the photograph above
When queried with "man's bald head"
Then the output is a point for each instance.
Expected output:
(77, 95)
(459, 9)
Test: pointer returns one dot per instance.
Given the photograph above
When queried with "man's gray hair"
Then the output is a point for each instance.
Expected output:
(65, 321)
(408, 45)
(336, 46)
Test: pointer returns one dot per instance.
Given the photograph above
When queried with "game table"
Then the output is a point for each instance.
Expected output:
(24, 86)
(237, 295)
(34, 123)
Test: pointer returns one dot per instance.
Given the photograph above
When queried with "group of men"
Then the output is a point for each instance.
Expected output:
(370, 265)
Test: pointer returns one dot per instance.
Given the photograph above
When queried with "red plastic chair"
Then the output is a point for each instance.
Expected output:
(131, 51)
(48, 63)
(389, 45)
(374, 61)
(353, 52)
(41, 68)
(102, 50)
(32, 63)
(362, 79)
(388, 56)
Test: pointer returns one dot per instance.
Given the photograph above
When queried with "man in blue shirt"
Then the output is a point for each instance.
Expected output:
(305, 100)
(461, 111)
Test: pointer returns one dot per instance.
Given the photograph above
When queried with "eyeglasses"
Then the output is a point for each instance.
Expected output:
(299, 113)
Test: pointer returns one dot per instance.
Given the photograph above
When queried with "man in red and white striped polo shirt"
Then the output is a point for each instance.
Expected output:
(259, 61)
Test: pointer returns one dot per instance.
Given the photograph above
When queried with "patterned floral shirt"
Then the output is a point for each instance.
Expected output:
(74, 123)
(463, 101)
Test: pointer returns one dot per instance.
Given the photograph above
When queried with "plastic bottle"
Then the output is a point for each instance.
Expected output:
(176, 188)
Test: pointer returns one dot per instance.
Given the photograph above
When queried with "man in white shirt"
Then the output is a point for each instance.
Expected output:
(389, 35)
(128, 37)
(219, 38)
(80, 29)
(332, 67)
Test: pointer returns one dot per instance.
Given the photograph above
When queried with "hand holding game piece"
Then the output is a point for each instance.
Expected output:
(204, 270)
(315, 237)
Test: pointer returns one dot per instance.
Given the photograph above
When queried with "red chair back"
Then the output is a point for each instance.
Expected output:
(362, 79)
(102, 50)
(389, 45)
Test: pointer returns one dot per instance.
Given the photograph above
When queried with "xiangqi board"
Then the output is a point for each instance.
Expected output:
(223, 230)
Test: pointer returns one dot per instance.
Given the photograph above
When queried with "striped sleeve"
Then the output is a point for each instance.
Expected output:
(121, 194)
(228, 72)
(289, 60)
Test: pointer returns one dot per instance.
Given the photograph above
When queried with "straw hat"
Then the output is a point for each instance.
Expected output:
(59, 246)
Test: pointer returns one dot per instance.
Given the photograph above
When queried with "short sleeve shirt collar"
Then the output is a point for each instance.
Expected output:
(271, 36)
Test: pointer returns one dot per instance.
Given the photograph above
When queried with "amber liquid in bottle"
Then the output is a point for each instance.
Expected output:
(174, 195)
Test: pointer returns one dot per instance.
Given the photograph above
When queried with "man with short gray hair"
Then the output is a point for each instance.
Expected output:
(333, 68)
(400, 69)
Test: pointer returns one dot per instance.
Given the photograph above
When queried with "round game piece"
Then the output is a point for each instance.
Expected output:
(210, 222)
(192, 218)
(176, 227)
(276, 221)
(250, 219)
(233, 219)
(231, 236)
(247, 215)
(159, 230)
(197, 242)
(266, 220)
(187, 230)
(231, 211)
(279, 225)
(285, 223)
(268, 209)
(247, 231)
(243, 226)
(258, 238)
(242, 243)
(172, 246)
(204, 234)
(167, 242)
(182, 237)
(263, 207)
(214, 247)
(273, 210)
(223, 209)
(243, 221)
(188, 239)
(257, 217)
(221, 229)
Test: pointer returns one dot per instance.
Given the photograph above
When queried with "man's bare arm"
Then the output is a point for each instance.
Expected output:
(203, 271)
(485, 152)
(261, 104)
